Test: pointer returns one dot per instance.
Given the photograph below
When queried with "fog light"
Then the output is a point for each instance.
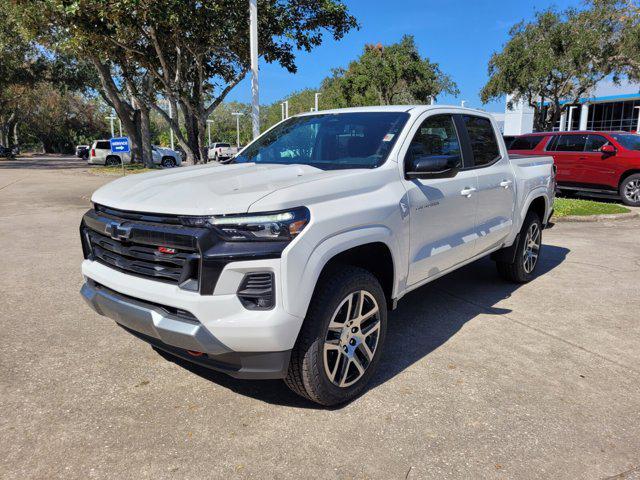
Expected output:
(256, 292)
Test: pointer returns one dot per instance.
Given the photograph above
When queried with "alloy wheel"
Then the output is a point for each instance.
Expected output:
(352, 338)
(632, 191)
(532, 247)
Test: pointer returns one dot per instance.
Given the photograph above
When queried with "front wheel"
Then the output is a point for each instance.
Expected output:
(630, 190)
(341, 338)
(522, 268)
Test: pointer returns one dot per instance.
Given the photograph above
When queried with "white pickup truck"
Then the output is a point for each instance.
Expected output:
(285, 263)
(221, 152)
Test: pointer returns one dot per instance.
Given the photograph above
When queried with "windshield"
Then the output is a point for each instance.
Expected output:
(627, 140)
(329, 141)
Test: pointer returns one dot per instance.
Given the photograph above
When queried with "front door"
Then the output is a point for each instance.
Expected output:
(595, 168)
(442, 210)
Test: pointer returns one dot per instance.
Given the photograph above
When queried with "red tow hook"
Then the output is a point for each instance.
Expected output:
(195, 354)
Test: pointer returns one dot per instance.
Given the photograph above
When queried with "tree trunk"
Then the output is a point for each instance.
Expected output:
(191, 127)
(145, 137)
(202, 138)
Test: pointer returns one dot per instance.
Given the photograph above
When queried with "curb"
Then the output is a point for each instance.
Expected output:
(595, 218)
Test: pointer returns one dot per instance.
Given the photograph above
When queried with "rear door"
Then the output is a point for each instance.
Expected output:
(442, 210)
(496, 183)
(567, 150)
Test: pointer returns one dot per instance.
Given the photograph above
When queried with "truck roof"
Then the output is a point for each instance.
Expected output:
(397, 108)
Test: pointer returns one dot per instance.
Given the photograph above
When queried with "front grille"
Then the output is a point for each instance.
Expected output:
(143, 260)
(147, 250)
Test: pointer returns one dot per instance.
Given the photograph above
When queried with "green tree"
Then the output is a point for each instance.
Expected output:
(56, 119)
(191, 52)
(385, 75)
(558, 57)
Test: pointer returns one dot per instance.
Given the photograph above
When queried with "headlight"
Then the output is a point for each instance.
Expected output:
(268, 226)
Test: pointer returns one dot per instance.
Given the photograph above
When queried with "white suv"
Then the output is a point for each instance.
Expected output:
(100, 154)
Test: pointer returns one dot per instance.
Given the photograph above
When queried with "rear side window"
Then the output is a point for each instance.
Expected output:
(529, 142)
(595, 143)
(103, 145)
(484, 144)
(568, 143)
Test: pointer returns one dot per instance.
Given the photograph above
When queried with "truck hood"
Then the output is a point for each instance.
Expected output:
(204, 189)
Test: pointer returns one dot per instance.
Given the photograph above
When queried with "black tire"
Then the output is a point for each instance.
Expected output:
(307, 376)
(112, 161)
(168, 162)
(516, 271)
(630, 190)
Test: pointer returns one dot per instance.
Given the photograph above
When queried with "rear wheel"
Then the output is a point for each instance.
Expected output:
(341, 339)
(112, 161)
(522, 268)
(630, 190)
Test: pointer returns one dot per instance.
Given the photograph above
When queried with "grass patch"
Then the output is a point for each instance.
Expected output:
(564, 207)
(117, 170)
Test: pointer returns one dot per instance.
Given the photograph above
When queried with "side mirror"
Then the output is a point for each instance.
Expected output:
(433, 166)
(608, 150)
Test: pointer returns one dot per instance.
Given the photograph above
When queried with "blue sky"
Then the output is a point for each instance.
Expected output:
(460, 35)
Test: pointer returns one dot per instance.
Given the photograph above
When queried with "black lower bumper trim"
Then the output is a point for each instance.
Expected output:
(244, 365)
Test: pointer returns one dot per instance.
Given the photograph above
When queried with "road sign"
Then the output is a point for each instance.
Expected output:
(120, 145)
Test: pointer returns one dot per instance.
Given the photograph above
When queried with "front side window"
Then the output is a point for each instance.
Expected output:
(627, 140)
(436, 137)
(569, 143)
(595, 143)
(483, 140)
(329, 141)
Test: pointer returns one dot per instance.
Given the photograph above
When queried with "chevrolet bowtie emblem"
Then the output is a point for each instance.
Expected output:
(117, 231)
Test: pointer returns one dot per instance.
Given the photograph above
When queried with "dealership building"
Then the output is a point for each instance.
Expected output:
(608, 107)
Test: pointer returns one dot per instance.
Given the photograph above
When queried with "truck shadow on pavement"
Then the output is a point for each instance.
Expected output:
(423, 321)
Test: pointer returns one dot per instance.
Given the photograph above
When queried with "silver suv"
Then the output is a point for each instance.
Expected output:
(100, 154)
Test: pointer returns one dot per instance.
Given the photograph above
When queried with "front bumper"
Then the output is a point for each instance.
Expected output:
(182, 334)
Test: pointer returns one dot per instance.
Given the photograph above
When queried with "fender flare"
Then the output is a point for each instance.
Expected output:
(540, 191)
(301, 286)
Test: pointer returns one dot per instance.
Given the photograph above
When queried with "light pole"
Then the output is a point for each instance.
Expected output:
(317, 94)
(237, 115)
(570, 123)
(111, 118)
(120, 126)
(209, 122)
(285, 109)
(253, 41)
(463, 103)
(638, 122)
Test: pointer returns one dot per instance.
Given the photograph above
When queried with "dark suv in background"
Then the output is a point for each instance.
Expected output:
(593, 163)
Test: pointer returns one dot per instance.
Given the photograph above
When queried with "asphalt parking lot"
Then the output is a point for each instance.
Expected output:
(479, 378)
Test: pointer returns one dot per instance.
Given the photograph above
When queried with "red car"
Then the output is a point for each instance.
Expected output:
(594, 163)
